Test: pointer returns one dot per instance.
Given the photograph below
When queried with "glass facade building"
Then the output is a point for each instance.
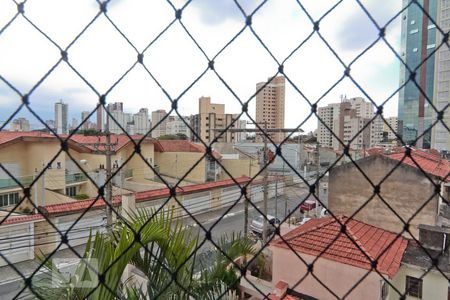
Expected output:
(418, 40)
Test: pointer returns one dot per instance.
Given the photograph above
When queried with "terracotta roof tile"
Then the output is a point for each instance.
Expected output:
(316, 235)
(429, 161)
(82, 205)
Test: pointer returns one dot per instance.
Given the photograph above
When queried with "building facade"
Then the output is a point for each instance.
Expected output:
(100, 118)
(348, 120)
(440, 137)
(393, 123)
(210, 120)
(270, 106)
(157, 116)
(85, 119)
(418, 41)
(176, 125)
(61, 121)
(20, 124)
(141, 121)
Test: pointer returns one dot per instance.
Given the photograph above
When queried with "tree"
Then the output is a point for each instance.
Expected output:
(170, 249)
(178, 136)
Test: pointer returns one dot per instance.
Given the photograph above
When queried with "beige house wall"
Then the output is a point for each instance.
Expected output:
(405, 190)
(338, 277)
(434, 285)
(176, 164)
(239, 167)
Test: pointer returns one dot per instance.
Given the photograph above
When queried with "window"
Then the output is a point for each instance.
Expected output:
(431, 46)
(414, 287)
(9, 199)
(71, 191)
(413, 22)
(384, 288)
(415, 49)
(412, 31)
(431, 26)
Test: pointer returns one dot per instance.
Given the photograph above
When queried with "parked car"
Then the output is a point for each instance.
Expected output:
(307, 205)
(257, 225)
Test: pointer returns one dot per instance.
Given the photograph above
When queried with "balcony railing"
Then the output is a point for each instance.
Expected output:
(9, 183)
(75, 178)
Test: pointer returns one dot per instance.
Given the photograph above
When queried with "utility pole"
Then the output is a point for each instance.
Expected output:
(265, 191)
(108, 198)
(246, 201)
(265, 162)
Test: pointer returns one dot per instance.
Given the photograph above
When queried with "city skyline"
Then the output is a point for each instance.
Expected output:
(377, 71)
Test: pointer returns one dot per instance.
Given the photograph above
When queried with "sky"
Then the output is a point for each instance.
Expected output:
(102, 55)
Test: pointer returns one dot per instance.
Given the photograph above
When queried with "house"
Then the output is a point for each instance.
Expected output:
(339, 259)
(418, 183)
(26, 154)
(418, 277)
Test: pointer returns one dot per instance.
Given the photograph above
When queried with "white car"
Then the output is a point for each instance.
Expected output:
(257, 225)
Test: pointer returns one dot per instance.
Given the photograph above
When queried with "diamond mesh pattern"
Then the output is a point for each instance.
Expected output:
(122, 224)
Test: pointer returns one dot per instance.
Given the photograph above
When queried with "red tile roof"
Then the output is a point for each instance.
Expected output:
(84, 141)
(20, 219)
(316, 235)
(82, 205)
(88, 141)
(10, 136)
(182, 146)
(429, 161)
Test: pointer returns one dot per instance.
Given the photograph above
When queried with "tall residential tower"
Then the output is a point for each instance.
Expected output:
(61, 122)
(270, 106)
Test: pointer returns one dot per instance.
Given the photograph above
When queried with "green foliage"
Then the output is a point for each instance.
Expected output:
(178, 136)
(171, 249)
(81, 196)
(89, 132)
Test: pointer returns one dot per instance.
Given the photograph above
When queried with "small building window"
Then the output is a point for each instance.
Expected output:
(414, 287)
(9, 199)
(71, 191)
(384, 290)
(412, 31)
(413, 22)
(431, 46)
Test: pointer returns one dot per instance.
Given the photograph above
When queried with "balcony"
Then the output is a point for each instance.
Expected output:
(75, 178)
(9, 183)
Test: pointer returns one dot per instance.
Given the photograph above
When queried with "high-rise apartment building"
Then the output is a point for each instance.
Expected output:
(84, 118)
(117, 117)
(440, 137)
(210, 120)
(348, 120)
(141, 121)
(100, 118)
(157, 117)
(175, 125)
(20, 124)
(328, 117)
(270, 106)
(418, 41)
(393, 123)
(61, 122)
